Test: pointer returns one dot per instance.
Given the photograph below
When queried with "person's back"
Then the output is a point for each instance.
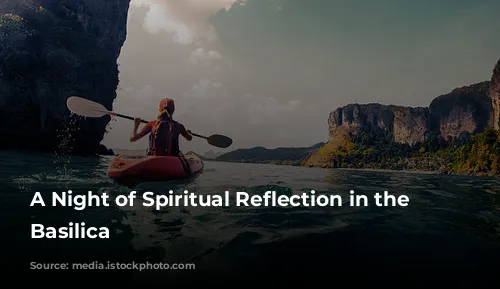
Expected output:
(164, 138)
(164, 132)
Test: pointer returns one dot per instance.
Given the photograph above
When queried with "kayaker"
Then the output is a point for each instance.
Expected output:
(163, 132)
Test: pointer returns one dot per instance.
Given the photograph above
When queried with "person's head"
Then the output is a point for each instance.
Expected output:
(166, 108)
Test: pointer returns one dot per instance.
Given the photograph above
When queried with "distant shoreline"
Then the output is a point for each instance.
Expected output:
(404, 171)
(420, 172)
(347, 169)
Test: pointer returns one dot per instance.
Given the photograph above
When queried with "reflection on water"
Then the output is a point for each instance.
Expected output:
(451, 221)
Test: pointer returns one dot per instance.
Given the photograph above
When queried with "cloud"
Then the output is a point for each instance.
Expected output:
(204, 89)
(204, 57)
(185, 20)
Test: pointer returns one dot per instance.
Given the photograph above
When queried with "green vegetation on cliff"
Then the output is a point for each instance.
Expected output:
(12, 26)
(481, 155)
(478, 154)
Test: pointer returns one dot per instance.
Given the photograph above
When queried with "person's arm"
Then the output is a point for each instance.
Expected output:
(185, 133)
(137, 136)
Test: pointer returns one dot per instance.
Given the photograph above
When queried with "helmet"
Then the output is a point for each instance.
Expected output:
(168, 104)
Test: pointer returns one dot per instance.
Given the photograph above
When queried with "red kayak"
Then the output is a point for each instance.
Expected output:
(126, 169)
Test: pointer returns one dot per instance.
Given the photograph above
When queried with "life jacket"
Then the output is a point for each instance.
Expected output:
(164, 139)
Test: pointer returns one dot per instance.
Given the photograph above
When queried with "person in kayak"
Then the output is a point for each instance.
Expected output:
(163, 132)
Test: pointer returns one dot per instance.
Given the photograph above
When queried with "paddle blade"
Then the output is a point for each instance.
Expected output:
(85, 107)
(220, 141)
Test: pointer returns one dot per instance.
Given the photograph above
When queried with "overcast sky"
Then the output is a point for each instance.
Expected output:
(268, 73)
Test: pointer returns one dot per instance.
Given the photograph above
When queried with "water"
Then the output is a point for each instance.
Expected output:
(449, 231)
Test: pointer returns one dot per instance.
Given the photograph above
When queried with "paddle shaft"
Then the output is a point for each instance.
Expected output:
(128, 117)
(198, 135)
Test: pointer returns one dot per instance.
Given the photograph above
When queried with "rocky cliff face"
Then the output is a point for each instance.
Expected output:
(50, 50)
(411, 124)
(354, 116)
(362, 135)
(404, 124)
(495, 96)
(465, 109)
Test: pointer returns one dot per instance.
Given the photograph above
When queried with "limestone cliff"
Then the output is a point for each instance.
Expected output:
(50, 50)
(465, 109)
(376, 135)
(411, 124)
(403, 124)
(495, 96)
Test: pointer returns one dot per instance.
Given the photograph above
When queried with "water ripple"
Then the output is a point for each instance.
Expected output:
(443, 209)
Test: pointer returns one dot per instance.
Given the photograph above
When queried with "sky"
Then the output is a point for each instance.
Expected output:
(268, 72)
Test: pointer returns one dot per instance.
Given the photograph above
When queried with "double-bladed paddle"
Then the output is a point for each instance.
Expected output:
(87, 108)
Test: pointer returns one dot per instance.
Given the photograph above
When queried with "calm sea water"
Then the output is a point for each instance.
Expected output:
(450, 230)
